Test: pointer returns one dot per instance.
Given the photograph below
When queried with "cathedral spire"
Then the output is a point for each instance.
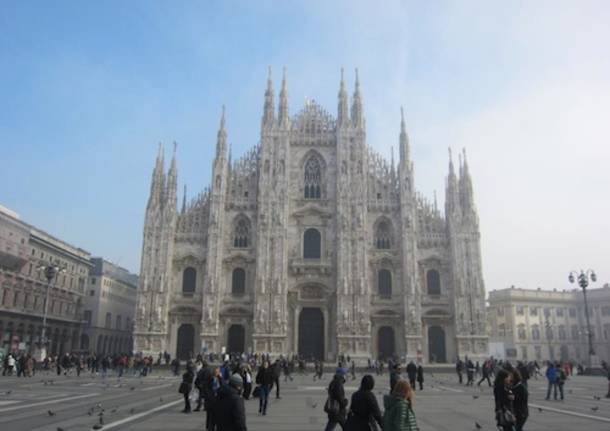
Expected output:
(221, 140)
(451, 193)
(184, 200)
(405, 152)
(342, 113)
(283, 110)
(357, 119)
(172, 181)
(157, 181)
(466, 193)
(269, 109)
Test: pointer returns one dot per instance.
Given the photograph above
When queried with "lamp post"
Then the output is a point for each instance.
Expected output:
(583, 281)
(548, 330)
(50, 272)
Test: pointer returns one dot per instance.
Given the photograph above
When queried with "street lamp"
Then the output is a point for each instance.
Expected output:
(548, 331)
(50, 272)
(583, 281)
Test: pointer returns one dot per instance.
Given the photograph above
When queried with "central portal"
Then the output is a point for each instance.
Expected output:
(311, 334)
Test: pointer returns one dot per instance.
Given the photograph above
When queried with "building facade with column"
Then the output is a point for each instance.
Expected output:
(312, 243)
(23, 250)
(110, 303)
(536, 324)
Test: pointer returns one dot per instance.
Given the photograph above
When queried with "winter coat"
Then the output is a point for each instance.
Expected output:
(398, 415)
(337, 392)
(412, 370)
(420, 374)
(264, 377)
(229, 410)
(364, 412)
(520, 407)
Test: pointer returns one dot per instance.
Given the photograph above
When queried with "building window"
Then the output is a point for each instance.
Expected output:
(433, 282)
(108, 322)
(607, 331)
(521, 332)
(535, 332)
(313, 178)
(549, 333)
(572, 312)
(502, 330)
(605, 310)
(87, 317)
(119, 322)
(189, 281)
(520, 310)
(92, 280)
(383, 236)
(384, 283)
(533, 311)
(559, 312)
(524, 353)
(238, 282)
(562, 332)
(312, 244)
(538, 352)
(500, 311)
(574, 331)
(127, 324)
(92, 292)
(241, 237)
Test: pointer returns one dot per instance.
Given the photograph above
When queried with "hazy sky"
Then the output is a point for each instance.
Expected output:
(88, 89)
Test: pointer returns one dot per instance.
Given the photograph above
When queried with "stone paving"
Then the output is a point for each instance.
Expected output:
(153, 403)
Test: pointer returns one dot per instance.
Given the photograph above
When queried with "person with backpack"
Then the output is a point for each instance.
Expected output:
(336, 404)
(399, 415)
(561, 379)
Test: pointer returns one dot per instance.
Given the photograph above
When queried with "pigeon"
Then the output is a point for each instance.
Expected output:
(475, 397)
(98, 427)
(90, 411)
(478, 426)
(113, 411)
(595, 408)
(314, 405)
(539, 409)
(596, 397)
(51, 413)
(132, 411)
(60, 429)
(132, 388)
(8, 392)
(160, 400)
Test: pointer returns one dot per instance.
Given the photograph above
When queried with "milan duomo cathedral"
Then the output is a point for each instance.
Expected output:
(312, 243)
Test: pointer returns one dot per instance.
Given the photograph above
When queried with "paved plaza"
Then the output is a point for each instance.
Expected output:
(49, 402)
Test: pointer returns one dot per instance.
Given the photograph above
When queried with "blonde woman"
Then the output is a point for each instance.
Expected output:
(399, 415)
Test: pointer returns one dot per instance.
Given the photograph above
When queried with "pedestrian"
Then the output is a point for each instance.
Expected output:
(608, 377)
(264, 378)
(364, 411)
(203, 383)
(561, 379)
(420, 377)
(412, 373)
(551, 376)
(394, 375)
(470, 372)
(353, 370)
(520, 405)
(230, 412)
(336, 405)
(185, 388)
(503, 397)
(485, 371)
(399, 415)
(277, 372)
(247, 377)
(459, 369)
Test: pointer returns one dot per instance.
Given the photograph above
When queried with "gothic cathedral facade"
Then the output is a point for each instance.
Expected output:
(313, 244)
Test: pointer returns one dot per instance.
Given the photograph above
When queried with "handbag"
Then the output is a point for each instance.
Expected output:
(506, 417)
(184, 388)
(256, 392)
(331, 406)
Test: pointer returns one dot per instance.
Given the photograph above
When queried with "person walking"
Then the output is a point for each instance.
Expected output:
(420, 377)
(394, 375)
(230, 412)
(412, 373)
(247, 377)
(503, 397)
(185, 388)
(399, 415)
(520, 405)
(264, 378)
(551, 376)
(203, 384)
(485, 371)
(364, 411)
(277, 372)
(469, 372)
(561, 379)
(336, 405)
(459, 369)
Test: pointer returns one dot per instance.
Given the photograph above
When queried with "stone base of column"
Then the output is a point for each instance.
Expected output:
(356, 346)
(475, 347)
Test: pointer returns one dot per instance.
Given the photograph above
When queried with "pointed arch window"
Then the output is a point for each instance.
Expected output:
(241, 237)
(313, 178)
(383, 235)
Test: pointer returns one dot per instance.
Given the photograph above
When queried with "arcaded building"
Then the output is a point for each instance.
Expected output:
(312, 243)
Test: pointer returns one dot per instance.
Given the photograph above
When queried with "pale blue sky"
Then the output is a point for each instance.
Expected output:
(88, 89)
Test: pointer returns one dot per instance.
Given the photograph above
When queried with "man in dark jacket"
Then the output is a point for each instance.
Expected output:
(230, 412)
(264, 378)
(277, 371)
(394, 375)
(336, 395)
(412, 373)
(203, 383)
(364, 408)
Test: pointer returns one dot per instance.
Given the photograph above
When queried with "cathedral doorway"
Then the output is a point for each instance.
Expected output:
(237, 339)
(436, 344)
(385, 342)
(186, 342)
(311, 333)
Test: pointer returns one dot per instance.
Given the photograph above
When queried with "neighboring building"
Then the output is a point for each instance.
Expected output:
(541, 324)
(312, 243)
(23, 250)
(110, 305)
